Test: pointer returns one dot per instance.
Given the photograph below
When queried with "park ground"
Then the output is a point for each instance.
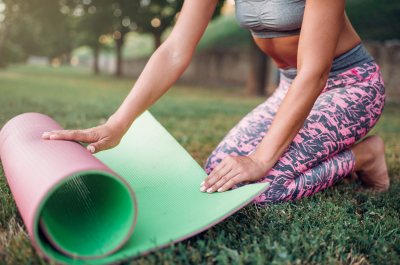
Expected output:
(335, 226)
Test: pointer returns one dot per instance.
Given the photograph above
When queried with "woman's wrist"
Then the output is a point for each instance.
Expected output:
(118, 125)
(265, 164)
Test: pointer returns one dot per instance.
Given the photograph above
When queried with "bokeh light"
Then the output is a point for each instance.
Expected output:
(117, 12)
(133, 26)
(92, 10)
(106, 38)
(79, 11)
(64, 9)
(167, 11)
(144, 3)
(177, 16)
(74, 61)
(2, 7)
(156, 22)
(117, 35)
(103, 39)
(56, 62)
(87, 2)
(126, 21)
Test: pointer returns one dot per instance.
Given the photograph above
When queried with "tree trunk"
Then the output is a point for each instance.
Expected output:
(256, 80)
(96, 60)
(120, 43)
(3, 43)
(68, 57)
(157, 40)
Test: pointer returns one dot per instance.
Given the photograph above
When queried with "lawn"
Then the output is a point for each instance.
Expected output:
(335, 226)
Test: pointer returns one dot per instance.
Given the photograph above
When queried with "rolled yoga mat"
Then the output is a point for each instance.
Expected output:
(81, 208)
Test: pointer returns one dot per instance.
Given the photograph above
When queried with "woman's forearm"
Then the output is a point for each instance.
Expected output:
(162, 70)
(167, 63)
(290, 117)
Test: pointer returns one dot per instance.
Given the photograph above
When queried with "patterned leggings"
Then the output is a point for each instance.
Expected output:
(348, 107)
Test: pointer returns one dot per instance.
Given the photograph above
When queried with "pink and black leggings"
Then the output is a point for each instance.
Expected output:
(348, 107)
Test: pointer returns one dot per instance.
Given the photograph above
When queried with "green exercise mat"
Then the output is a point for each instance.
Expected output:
(165, 180)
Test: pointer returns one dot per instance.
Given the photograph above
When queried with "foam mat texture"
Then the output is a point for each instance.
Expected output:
(81, 209)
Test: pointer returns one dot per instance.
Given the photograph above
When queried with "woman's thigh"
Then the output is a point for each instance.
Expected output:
(348, 108)
(248, 133)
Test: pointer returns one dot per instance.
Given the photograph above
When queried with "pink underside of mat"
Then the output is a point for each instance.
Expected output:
(52, 162)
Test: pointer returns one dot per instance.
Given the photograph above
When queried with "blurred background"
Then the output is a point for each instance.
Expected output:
(116, 37)
(76, 60)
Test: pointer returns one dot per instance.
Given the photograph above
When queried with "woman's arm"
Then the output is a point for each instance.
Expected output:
(165, 66)
(322, 24)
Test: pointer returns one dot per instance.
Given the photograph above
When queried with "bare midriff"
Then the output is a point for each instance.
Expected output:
(283, 51)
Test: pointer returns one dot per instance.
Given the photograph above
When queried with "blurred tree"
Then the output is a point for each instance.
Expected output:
(94, 26)
(3, 39)
(144, 16)
(10, 12)
(35, 27)
(155, 16)
(57, 32)
(257, 78)
(375, 19)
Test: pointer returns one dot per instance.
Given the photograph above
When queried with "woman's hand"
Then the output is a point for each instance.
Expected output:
(233, 170)
(101, 138)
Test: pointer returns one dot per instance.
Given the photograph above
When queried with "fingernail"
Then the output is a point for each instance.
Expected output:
(209, 190)
(46, 133)
(202, 184)
(203, 188)
(220, 189)
(92, 149)
(53, 137)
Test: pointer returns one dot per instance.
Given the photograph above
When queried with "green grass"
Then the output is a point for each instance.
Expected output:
(335, 226)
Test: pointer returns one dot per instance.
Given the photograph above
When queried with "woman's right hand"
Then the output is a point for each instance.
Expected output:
(102, 137)
(163, 69)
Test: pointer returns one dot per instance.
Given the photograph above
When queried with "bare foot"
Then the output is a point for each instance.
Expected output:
(371, 164)
(351, 178)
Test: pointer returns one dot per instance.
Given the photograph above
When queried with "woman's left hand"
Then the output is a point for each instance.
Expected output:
(233, 170)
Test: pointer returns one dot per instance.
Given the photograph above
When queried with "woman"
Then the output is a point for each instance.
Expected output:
(302, 139)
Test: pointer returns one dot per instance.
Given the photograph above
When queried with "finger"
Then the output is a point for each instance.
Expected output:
(86, 136)
(231, 182)
(46, 135)
(225, 161)
(217, 186)
(216, 177)
(222, 181)
(97, 147)
(215, 170)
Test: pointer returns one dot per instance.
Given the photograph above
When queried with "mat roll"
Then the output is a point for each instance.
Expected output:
(81, 209)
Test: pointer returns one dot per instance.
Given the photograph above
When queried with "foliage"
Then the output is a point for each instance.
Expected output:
(37, 28)
(93, 26)
(52, 28)
(375, 19)
(224, 32)
(335, 226)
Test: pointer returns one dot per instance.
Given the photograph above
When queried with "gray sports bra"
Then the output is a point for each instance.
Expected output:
(270, 18)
